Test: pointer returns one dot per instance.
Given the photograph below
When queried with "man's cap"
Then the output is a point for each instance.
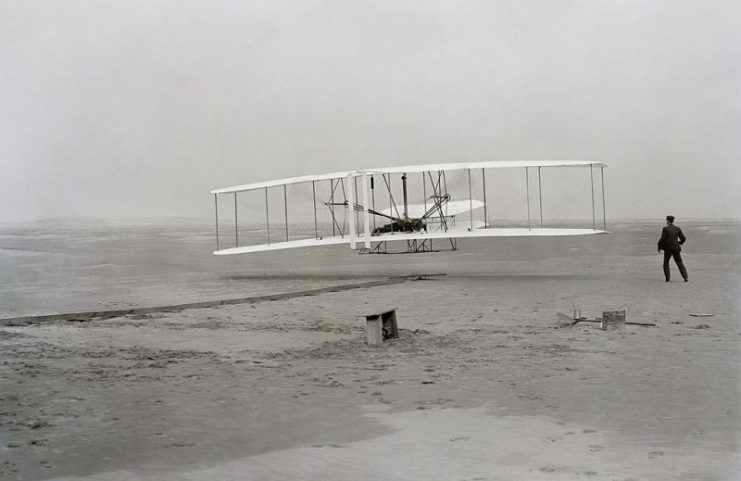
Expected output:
(670, 218)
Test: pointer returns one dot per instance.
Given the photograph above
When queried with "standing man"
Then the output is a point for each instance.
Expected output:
(671, 240)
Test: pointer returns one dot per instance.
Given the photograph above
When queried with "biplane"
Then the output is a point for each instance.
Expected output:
(409, 206)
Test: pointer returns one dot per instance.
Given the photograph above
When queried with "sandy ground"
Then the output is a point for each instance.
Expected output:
(484, 383)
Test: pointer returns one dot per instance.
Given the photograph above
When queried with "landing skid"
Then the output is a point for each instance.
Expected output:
(412, 247)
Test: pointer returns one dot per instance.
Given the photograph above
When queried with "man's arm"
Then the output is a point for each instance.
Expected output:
(682, 238)
(662, 241)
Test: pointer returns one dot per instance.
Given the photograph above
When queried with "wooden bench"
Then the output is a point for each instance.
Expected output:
(381, 326)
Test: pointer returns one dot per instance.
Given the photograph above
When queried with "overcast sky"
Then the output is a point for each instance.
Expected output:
(139, 108)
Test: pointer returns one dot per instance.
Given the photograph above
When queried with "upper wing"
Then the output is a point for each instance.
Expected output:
(493, 164)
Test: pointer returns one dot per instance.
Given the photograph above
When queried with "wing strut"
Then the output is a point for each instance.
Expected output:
(313, 198)
(344, 196)
(366, 220)
(267, 214)
(527, 189)
(483, 181)
(373, 200)
(352, 214)
(604, 212)
(355, 183)
(285, 205)
(424, 191)
(216, 204)
(470, 200)
(406, 203)
(335, 225)
(331, 210)
(236, 229)
(591, 182)
(540, 196)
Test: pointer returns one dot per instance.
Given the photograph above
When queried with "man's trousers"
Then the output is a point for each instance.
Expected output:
(678, 259)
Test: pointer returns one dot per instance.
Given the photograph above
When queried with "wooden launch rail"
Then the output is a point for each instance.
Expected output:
(88, 315)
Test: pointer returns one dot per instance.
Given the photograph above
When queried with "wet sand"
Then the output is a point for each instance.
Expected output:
(483, 383)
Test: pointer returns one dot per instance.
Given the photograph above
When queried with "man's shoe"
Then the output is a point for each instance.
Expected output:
(686, 280)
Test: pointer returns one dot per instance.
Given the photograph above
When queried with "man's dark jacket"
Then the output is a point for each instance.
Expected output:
(671, 238)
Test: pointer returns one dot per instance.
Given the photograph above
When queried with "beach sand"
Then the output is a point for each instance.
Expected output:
(484, 382)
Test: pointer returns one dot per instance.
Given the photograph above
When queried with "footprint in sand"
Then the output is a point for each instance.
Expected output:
(596, 448)
(655, 454)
